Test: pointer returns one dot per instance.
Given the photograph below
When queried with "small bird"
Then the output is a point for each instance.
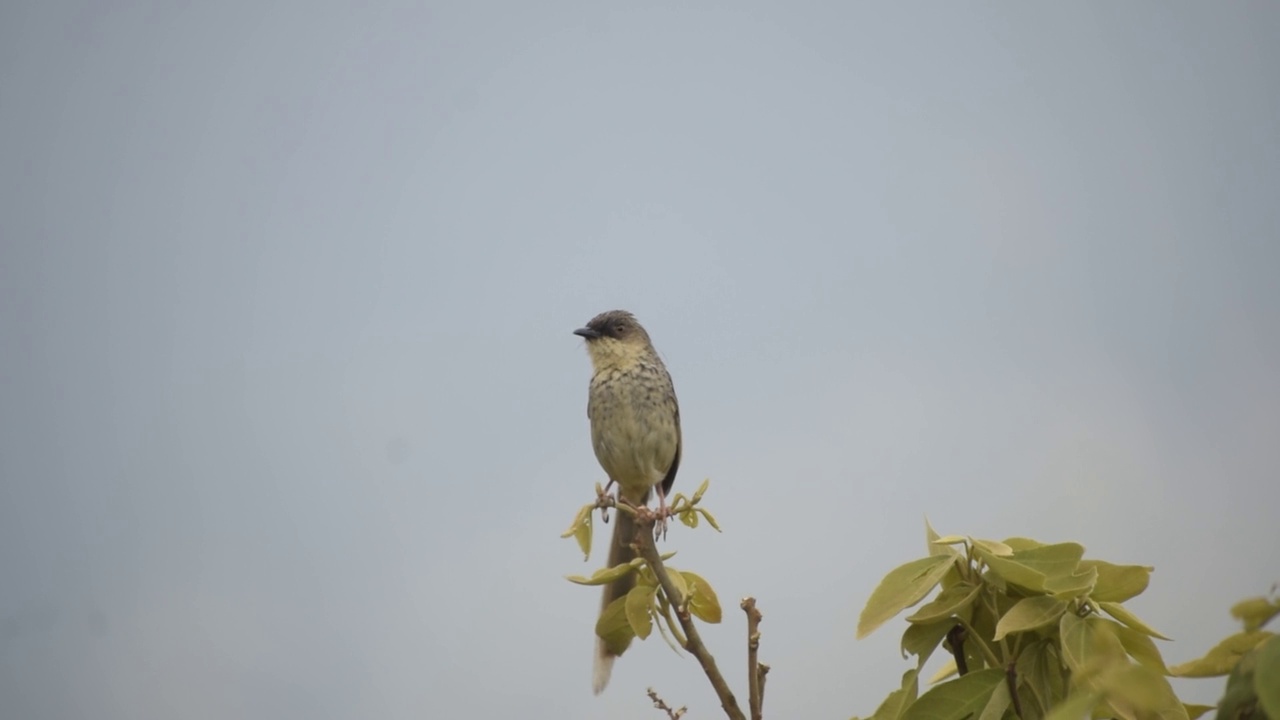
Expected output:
(635, 430)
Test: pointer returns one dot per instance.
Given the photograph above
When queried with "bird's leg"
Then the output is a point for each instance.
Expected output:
(604, 509)
(660, 528)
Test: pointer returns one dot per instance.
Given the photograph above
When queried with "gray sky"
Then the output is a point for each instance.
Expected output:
(290, 412)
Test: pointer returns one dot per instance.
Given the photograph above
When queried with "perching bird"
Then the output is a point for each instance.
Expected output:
(635, 430)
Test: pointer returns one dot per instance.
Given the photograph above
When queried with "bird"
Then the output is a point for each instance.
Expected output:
(635, 432)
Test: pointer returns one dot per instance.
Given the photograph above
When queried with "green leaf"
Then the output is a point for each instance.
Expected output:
(1254, 613)
(922, 640)
(1140, 647)
(639, 608)
(1223, 657)
(891, 708)
(1266, 677)
(951, 601)
(903, 587)
(1122, 614)
(1029, 614)
(956, 699)
(703, 602)
(614, 628)
(1117, 583)
(689, 518)
(603, 576)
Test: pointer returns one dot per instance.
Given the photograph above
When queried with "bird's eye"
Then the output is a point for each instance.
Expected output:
(618, 329)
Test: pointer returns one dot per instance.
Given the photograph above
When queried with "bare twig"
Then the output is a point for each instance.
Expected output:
(763, 671)
(754, 677)
(662, 705)
(649, 551)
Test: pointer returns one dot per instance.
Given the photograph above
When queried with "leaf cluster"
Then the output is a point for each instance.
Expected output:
(1250, 658)
(633, 615)
(1034, 631)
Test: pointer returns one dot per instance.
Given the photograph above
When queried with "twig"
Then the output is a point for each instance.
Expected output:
(754, 676)
(956, 636)
(662, 705)
(649, 551)
(1011, 676)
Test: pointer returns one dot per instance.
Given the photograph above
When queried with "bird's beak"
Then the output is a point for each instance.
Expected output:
(587, 333)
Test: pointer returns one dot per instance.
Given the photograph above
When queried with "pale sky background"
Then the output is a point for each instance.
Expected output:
(291, 416)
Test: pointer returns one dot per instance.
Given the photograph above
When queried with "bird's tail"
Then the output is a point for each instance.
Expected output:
(620, 551)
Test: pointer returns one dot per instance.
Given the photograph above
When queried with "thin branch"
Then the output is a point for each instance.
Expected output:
(754, 676)
(649, 551)
(955, 637)
(1011, 676)
(662, 705)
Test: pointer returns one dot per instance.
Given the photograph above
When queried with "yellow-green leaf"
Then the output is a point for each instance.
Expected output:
(931, 541)
(614, 628)
(998, 703)
(703, 602)
(951, 601)
(1122, 614)
(1087, 645)
(1040, 670)
(903, 587)
(584, 514)
(1077, 706)
(1117, 583)
(956, 699)
(702, 489)
(711, 520)
(677, 579)
(1195, 711)
(1070, 587)
(639, 604)
(1266, 677)
(891, 708)
(992, 547)
(1020, 544)
(947, 670)
(689, 518)
(1029, 614)
(1223, 657)
(1139, 691)
(582, 534)
(950, 540)
(1140, 647)
(922, 640)
(604, 576)
(1255, 612)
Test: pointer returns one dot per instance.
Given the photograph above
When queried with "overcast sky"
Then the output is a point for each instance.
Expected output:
(291, 415)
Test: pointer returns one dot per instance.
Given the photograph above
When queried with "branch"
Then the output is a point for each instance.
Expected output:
(649, 551)
(672, 714)
(755, 678)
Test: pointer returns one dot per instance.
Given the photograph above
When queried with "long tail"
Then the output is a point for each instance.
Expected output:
(624, 531)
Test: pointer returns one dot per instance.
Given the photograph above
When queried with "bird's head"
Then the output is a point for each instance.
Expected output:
(614, 338)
